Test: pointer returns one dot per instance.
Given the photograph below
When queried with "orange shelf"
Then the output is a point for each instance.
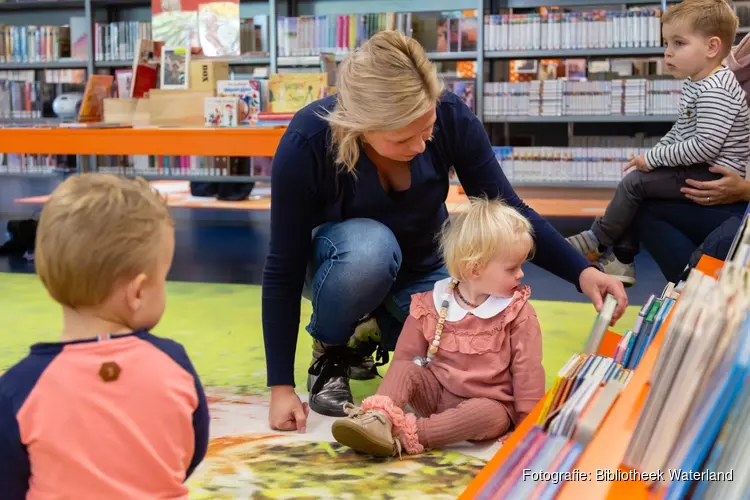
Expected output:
(179, 197)
(606, 348)
(607, 449)
(142, 141)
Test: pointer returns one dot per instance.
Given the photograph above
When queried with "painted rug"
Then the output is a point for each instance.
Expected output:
(220, 326)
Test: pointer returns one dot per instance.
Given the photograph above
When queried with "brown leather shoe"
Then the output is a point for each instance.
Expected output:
(366, 432)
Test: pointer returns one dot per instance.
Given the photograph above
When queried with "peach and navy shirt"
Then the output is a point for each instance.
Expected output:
(116, 417)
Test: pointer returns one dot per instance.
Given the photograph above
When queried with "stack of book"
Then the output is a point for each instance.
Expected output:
(637, 96)
(693, 421)
(634, 343)
(573, 30)
(565, 165)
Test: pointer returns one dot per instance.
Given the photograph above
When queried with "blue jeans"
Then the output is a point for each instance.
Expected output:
(355, 270)
(672, 231)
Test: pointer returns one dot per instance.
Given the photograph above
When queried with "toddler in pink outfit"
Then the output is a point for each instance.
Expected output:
(469, 358)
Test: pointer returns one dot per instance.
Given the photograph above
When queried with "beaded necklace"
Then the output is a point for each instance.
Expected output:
(423, 361)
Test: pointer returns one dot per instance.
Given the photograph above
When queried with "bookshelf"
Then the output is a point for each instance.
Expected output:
(608, 447)
(101, 11)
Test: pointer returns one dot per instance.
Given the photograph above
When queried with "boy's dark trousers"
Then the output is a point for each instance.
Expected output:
(663, 183)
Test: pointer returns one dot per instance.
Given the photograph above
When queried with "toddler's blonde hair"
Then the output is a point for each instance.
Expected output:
(707, 17)
(484, 230)
(95, 230)
(385, 85)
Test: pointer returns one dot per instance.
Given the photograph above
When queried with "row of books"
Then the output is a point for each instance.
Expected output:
(19, 44)
(311, 35)
(58, 76)
(536, 468)
(639, 27)
(583, 391)
(637, 96)
(692, 426)
(150, 166)
(639, 140)
(561, 164)
(632, 346)
(114, 41)
(31, 163)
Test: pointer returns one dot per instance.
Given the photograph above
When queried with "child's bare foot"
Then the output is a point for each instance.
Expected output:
(369, 432)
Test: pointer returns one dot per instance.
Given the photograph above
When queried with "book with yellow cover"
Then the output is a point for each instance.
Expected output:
(290, 92)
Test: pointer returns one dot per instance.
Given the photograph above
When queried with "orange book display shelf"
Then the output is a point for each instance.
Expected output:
(166, 141)
(607, 449)
(174, 141)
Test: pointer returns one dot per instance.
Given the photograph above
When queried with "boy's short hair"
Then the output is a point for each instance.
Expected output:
(95, 230)
(708, 17)
(484, 230)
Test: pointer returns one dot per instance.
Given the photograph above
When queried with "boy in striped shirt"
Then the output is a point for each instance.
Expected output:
(712, 129)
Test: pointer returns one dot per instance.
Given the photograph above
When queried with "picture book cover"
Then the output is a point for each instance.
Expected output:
(220, 111)
(212, 26)
(247, 92)
(290, 92)
(98, 88)
(175, 63)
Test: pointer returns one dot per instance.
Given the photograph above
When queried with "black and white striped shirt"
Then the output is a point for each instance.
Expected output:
(712, 126)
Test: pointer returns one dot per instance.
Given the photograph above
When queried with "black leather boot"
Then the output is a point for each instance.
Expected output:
(328, 379)
(363, 343)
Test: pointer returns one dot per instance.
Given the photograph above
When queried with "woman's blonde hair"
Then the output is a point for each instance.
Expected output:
(385, 85)
(484, 230)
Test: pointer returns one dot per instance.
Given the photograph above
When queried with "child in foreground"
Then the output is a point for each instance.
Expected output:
(109, 411)
(469, 358)
(712, 130)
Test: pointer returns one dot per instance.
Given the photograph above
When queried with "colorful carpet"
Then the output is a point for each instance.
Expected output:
(220, 326)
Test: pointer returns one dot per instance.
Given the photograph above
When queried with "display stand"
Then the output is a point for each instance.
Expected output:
(606, 451)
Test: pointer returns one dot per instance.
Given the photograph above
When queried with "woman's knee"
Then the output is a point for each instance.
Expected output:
(368, 248)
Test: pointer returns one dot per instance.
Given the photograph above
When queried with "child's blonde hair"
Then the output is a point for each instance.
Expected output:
(707, 17)
(484, 230)
(95, 230)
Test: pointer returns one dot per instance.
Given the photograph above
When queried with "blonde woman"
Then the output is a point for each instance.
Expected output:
(359, 184)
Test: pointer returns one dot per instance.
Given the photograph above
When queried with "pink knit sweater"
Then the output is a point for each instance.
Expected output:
(499, 357)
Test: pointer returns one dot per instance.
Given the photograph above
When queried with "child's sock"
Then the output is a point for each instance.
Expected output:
(404, 424)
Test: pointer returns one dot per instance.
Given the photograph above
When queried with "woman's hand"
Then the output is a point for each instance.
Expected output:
(287, 412)
(731, 188)
(596, 285)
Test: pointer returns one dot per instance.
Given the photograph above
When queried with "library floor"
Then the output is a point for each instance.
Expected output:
(220, 326)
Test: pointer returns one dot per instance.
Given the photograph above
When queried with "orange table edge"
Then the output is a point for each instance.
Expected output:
(606, 348)
(607, 449)
(142, 141)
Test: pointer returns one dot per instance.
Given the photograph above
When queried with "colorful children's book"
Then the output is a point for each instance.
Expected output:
(290, 92)
(220, 111)
(247, 92)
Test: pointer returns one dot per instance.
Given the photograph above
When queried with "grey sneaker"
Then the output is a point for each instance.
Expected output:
(624, 272)
(587, 244)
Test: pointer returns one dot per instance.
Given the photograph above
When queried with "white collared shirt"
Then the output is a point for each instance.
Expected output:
(487, 309)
